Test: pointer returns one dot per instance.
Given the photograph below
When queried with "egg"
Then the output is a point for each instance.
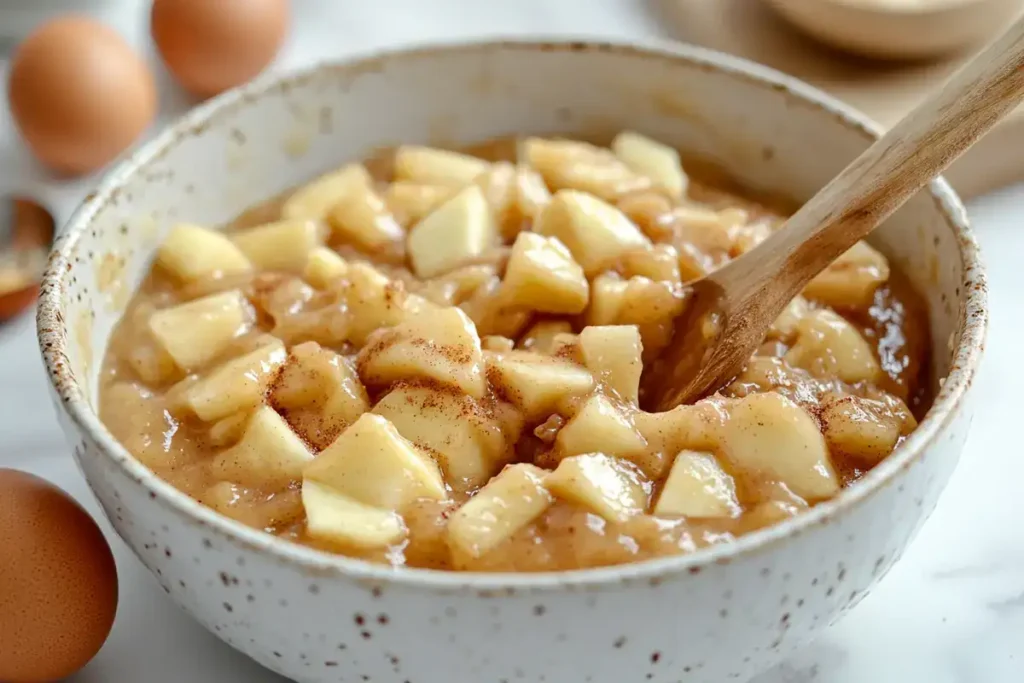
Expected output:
(58, 582)
(211, 46)
(79, 94)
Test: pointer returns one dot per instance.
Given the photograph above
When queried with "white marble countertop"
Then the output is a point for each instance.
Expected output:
(952, 611)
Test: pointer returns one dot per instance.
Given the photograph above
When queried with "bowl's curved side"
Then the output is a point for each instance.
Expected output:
(317, 617)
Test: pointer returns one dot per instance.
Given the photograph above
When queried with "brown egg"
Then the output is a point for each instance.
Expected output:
(212, 46)
(58, 582)
(79, 94)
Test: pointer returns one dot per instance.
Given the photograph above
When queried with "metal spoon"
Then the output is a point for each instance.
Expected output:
(26, 233)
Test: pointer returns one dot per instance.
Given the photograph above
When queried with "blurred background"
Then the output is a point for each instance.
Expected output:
(953, 610)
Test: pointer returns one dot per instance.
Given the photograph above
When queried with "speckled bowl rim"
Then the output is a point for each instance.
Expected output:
(54, 337)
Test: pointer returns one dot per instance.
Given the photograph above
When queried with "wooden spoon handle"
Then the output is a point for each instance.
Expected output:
(908, 156)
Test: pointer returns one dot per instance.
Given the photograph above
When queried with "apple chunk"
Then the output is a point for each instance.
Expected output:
(315, 199)
(457, 231)
(607, 486)
(321, 389)
(601, 426)
(851, 280)
(439, 344)
(373, 464)
(363, 219)
(191, 252)
(432, 166)
(658, 162)
(614, 354)
(770, 436)
(827, 345)
(323, 267)
(542, 275)
(697, 486)
(269, 455)
(469, 443)
(596, 233)
(508, 503)
(535, 383)
(337, 518)
(282, 245)
(237, 384)
(570, 164)
(195, 333)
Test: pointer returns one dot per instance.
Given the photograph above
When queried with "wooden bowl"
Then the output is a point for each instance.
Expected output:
(900, 29)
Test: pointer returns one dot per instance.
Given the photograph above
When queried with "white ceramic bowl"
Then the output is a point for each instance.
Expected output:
(721, 613)
(898, 29)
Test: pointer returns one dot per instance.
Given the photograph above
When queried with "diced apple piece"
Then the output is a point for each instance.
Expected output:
(191, 252)
(601, 426)
(686, 427)
(746, 236)
(596, 233)
(505, 505)
(432, 166)
(451, 289)
(535, 383)
(489, 310)
(441, 345)
(767, 435)
(237, 384)
(469, 443)
(498, 185)
(364, 220)
(269, 455)
(658, 162)
(851, 280)
(497, 343)
(652, 306)
(375, 465)
(196, 332)
(827, 345)
(228, 430)
(542, 275)
(151, 363)
(861, 428)
(315, 375)
(785, 326)
(410, 201)
(283, 245)
(323, 267)
(659, 263)
(337, 518)
(315, 199)
(605, 485)
(569, 164)
(607, 299)
(697, 486)
(614, 354)
(373, 300)
(530, 198)
(540, 337)
(455, 232)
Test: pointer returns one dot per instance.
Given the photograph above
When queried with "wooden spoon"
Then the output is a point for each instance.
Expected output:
(731, 309)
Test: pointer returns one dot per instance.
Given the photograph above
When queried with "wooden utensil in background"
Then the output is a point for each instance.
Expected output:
(731, 309)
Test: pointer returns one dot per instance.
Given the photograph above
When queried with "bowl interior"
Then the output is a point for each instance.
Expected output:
(768, 132)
